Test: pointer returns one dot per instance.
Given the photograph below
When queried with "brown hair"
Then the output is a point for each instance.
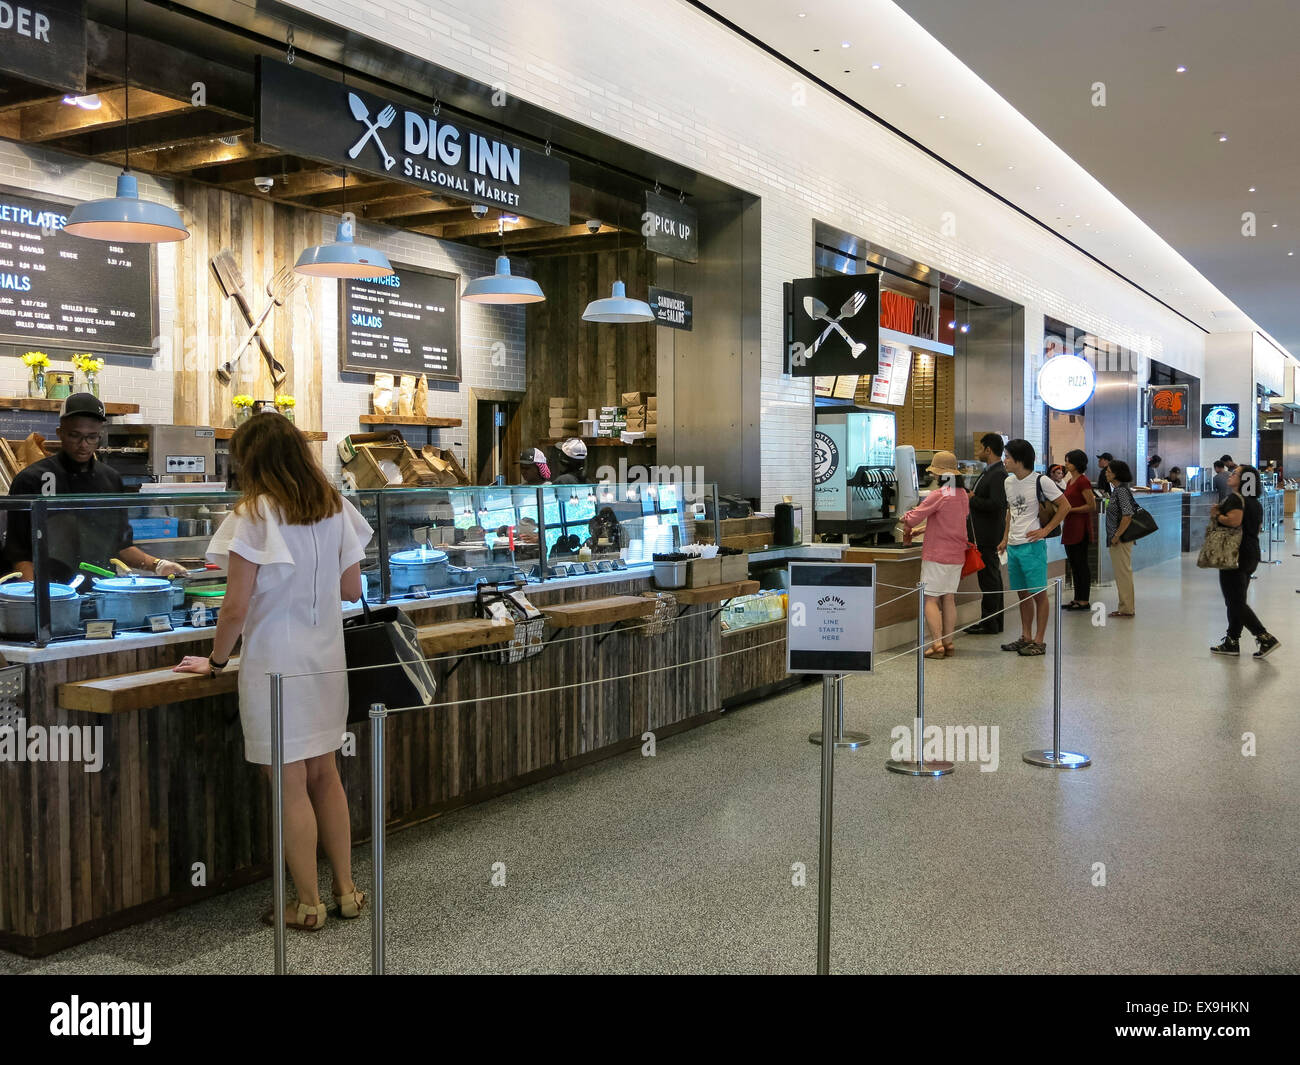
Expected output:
(274, 460)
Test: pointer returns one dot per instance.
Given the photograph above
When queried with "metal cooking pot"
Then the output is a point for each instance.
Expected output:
(18, 609)
(422, 565)
(129, 600)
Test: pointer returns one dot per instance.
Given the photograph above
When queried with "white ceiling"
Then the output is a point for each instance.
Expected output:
(1142, 183)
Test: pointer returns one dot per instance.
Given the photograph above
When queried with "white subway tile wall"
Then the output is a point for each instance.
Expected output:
(669, 79)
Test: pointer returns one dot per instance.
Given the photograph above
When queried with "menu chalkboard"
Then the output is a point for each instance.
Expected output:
(406, 323)
(61, 291)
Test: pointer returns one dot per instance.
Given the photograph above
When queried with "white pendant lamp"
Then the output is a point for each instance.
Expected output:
(503, 287)
(125, 218)
(618, 309)
(343, 258)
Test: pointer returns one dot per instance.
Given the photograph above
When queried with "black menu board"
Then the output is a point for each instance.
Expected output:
(406, 323)
(61, 291)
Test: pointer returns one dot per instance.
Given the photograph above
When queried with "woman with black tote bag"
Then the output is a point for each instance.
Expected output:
(1242, 510)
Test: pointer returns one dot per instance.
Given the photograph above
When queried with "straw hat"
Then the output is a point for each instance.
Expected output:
(944, 462)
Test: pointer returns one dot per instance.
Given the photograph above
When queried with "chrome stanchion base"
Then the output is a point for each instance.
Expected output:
(920, 769)
(1057, 759)
(850, 741)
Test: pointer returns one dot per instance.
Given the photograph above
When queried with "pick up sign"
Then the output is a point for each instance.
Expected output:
(670, 228)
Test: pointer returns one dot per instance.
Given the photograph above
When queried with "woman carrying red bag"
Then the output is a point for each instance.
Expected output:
(943, 513)
(1077, 531)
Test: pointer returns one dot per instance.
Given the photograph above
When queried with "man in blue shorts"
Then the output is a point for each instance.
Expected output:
(1026, 545)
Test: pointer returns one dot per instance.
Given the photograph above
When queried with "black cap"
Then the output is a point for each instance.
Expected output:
(82, 405)
(1107, 456)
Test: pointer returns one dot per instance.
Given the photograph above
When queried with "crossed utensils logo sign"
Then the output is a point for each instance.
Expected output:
(833, 325)
(381, 121)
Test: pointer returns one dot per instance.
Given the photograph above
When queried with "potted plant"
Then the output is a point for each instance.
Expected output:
(37, 362)
(285, 403)
(89, 367)
(243, 404)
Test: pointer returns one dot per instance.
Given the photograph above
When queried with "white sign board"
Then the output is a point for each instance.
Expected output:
(831, 622)
(1066, 382)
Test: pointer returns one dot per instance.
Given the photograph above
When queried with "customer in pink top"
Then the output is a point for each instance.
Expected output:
(942, 515)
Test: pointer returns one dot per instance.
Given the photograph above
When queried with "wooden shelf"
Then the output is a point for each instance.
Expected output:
(598, 611)
(150, 687)
(712, 593)
(225, 433)
(54, 405)
(394, 419)
(609, 441)
(461, 635)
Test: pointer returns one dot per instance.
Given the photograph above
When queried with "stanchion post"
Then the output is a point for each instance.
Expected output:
(825, 836)
(1055, 758)
(378, 712)
(844, 740)
(917, 766)
(277, 815)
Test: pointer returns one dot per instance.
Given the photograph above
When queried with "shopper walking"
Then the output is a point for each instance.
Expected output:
(1119, 514)
(1078, 534)
(1242, 510)
(942, 514)
(988, 520)
(1024, 540)
(293, 547)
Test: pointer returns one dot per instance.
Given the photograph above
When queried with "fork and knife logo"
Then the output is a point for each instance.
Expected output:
(819, 312)
(381, 121)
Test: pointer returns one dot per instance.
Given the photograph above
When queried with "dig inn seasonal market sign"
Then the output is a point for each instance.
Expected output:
(311, 116)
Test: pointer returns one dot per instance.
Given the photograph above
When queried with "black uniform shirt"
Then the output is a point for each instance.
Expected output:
(75, 536)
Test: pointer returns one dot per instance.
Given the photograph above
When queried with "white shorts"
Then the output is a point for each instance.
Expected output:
(941, 578)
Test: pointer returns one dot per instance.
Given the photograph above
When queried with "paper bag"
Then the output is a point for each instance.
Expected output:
(421, 403)
(383, 393)
(406, 396)
(30, 450)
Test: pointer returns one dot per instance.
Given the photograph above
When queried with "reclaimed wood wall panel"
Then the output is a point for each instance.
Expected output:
(263, 236)
(594, 364)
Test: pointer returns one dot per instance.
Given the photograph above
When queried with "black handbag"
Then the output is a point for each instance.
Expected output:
(1140, 524)
(385, 637)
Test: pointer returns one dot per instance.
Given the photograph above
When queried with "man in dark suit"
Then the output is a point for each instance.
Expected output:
(988, 517)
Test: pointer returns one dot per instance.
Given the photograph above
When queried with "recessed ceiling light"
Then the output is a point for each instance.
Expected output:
(803, 14)
(1180, 69)
(86, 103)
(1038, 188)
(899, 84)
(1223, 137)
(1290, 253)
(1011, 166)
(844, 44)
(1060, 205)
(1076, 216)
(875, 66)
(1275, 225)
(943, 116)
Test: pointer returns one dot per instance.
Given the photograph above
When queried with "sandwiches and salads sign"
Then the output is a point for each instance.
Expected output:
(315, 117)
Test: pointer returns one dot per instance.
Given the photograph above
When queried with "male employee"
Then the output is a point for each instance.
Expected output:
(1104, 460)
(988, 518)
(77, 536)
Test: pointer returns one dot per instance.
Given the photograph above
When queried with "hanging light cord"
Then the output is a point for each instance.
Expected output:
(126, 79)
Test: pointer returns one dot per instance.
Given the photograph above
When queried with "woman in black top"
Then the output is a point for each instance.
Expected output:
(1242, 510)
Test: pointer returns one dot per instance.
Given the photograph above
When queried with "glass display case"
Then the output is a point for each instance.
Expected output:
(428, 541)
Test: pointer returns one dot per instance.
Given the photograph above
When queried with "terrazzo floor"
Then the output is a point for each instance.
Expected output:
(682, 863)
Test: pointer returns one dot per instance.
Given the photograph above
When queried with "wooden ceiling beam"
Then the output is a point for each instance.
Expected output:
(537, 232)
(486, 228)
(53, 119)
(411, 206)
(353, 195)
(168, 131)
(182, 158)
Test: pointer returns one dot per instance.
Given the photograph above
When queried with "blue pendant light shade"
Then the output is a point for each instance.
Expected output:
(343, 258)
(126, 218)
(617, 309)
(503, 287)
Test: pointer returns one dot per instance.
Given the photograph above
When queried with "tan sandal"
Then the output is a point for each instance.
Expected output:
(305, 919)
(351, 904)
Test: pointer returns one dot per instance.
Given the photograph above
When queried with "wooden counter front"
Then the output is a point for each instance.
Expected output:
(83, 853)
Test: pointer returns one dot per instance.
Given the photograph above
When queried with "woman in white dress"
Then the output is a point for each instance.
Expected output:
(293, 548)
